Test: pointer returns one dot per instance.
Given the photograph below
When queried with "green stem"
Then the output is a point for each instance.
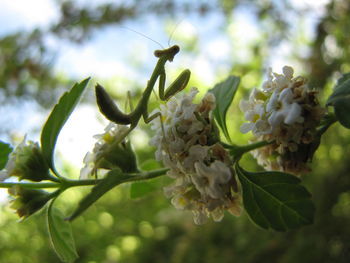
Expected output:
(57, 174)
(253, 146)
(55, 193)
(147, 175)
(329, 120)
(54, 179)
(30, 185)
(67, 183)
(237, 151)
(132, 178)
(74, 183)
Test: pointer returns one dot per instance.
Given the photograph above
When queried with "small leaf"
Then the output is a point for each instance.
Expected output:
(122, 156)
(275, 200)
(61, 235)
(224, 93)
(5, 150)
(342, 111)
(343, 78)
(150, 164)
(340, 100)
(112, 179)
(140, 189)
(341, 89)
(57, 119)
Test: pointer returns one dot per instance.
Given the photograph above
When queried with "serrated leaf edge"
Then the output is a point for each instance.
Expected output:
(280, 204)
(52, 239)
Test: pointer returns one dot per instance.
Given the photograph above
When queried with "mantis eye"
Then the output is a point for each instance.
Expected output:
(175, 49)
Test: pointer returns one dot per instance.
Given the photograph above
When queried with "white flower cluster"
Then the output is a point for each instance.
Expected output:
(186, 141)
(287, 112)
(94, 160)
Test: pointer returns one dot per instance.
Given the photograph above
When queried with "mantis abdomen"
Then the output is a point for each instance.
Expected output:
(109, 109)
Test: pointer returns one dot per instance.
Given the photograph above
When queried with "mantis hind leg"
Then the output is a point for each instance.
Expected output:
(129, 101)
(148, 119)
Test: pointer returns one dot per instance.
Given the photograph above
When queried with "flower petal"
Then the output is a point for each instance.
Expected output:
(293, 114)
(246, 127)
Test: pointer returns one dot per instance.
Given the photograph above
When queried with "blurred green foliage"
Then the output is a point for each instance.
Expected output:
(149, 229)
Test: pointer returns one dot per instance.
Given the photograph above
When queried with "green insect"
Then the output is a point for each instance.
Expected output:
(111, 111)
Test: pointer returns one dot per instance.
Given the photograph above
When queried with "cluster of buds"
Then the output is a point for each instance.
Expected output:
(111, 151)
(187, 143)
(26, 162)
(285, 112)
(27, 201)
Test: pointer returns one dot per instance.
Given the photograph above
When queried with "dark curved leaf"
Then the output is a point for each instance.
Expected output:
(5, 150)
(340, 100)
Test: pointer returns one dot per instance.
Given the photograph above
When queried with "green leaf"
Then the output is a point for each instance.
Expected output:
(224, 93)
(61, 235)
(112, 179)
(345, 77)
(340, 100)
(5, 150)
(342, 111)
(140, 189)
(275, 200)
(150, 164)
(57, 119)
(122, 156)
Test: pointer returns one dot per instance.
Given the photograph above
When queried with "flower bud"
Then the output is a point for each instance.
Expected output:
(110, 152)
(26, 162)
(27, 201)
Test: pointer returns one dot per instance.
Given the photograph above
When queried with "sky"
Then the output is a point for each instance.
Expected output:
(106, 56)
(102, 57)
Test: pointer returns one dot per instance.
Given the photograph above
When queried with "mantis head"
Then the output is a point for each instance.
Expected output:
(168, 53)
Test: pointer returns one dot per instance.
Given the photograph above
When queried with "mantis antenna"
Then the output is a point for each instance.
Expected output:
(139, 33)
(172, 33)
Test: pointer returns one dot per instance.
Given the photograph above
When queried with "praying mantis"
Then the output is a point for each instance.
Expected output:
(111, 111)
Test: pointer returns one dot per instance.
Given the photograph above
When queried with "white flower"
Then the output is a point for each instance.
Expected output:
(185, 141)
(3, 175)
(277, 81)
(113, 132)
(287, 113)
(217, 214)
(255, 113)
(209, 179)
(275, 105)
(282, 109)
(88, 169)
(199, 216)
(195, 153)
(107, 151)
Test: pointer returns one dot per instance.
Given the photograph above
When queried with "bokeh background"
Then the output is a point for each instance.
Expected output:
(47, 45)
